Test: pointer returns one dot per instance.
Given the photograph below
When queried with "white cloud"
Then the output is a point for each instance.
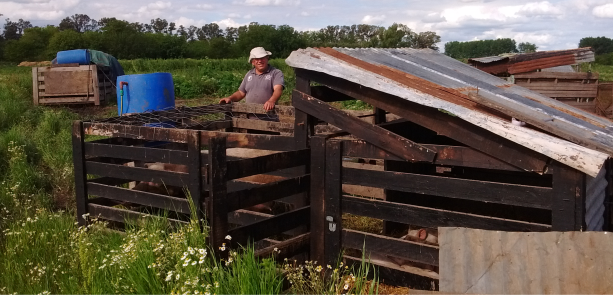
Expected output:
(304, 13)
(369, 19)
(268, 2)
(234, 15)
(604, 11)
(247, 16)
(154, 7)
(434, 18)
(186, 22)
(197, 7)
(228, 22)
(37, 9)
(539, 8)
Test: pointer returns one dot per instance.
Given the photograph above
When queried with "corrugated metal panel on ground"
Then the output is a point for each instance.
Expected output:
(432, 79)
(595, 191)
(495, 262)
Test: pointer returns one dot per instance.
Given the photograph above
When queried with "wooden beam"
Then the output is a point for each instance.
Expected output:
(218, 205)
(484, 191)
(136, 153)
(80, 170)
(195, 183)
(122, 215)
(568, 208)
(390, 246)
(286, 249)
(263, 164)
(304, 124)
(333, 211)
(271, 226)
(326, 94)
(444, 124)
(376, 135)
(262, 125)
(137, 197)
(256, 108)
(317, 199)
(267, 192)
(429, 217)
(137, 173)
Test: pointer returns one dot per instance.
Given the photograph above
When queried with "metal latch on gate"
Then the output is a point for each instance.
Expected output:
(331, 224)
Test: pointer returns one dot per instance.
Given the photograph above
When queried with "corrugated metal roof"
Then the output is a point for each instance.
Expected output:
(432, 79)
(488, 59)
(527, 62)
(595, 191)
(475, 261)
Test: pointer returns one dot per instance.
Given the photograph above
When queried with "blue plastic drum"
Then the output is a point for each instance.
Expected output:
(78, 56)
(145, 93)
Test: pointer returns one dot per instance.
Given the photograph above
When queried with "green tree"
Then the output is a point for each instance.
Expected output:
(67, 40)
(32, 46)
(600, 45)
(526, 47)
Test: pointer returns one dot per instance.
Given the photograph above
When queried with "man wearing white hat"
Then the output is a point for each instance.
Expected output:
(263, 84)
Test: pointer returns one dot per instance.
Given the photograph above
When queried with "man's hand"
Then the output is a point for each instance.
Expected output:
(269, 105)
(225, 100)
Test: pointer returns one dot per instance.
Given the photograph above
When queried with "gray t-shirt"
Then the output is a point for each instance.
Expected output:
(259, 88)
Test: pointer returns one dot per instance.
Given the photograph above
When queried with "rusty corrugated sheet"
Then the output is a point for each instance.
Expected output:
(432, 79)
(495, 262)
(527, 62)
(595, 190)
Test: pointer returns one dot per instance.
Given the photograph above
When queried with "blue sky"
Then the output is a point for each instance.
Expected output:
(549, 24)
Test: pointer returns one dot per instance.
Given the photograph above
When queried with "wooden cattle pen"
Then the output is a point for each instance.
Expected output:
(441, 167)
(72, 84)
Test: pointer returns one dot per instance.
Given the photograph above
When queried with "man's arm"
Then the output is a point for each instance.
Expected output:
(236, 96)
(276, 94)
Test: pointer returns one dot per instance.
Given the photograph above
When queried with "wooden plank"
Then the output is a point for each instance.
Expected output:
(137, 173)
(196, 184)
(393, 275)
(80, 171)
(333, 192)
(255, 108)
(122, 215)
(136, 153)
(137, 132)
(35, 85)
(446, 155)
(444, 124)
(557, 75)
(567, 86)
(267, 192)
(317, 200)
(109, 181)
(218, 205)
(255, 141)
(138, 197)
(263, 125)
(94, 82)
(65, 82)
(304, 124)
(568, 208)
(286, 249)
(484, 191)
(568, 94)
(271, 226)
(429, 217)
(263, 164)
(81, 68)
(65, 100)
(376, 135)
(417, 252)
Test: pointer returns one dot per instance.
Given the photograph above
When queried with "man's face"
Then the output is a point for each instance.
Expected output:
(260, 64)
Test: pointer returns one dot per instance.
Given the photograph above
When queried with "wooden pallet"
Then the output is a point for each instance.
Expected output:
(71, 84)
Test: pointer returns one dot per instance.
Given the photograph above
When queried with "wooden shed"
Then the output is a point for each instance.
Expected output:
(454, 158)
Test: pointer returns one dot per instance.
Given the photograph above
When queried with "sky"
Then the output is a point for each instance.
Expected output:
(551, 25)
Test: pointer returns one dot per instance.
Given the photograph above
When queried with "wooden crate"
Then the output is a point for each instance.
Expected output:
(71, 84)
(576, 89)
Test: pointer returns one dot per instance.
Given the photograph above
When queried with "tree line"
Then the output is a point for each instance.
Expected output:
(482, 48)
(21, 41)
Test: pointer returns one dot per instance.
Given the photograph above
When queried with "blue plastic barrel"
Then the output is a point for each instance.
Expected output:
(79, 56)
(145, 93)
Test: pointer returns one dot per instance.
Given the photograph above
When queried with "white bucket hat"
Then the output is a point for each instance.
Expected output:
(258, 52)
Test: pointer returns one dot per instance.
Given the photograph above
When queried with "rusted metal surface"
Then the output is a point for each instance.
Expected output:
(434, 80)
(496, 262)
(527, 62)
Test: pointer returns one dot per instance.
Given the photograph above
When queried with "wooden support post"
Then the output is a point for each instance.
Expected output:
(568, 201)
(195, 171)
(35, 85)
(304, 124)
(218, 211)
(379, 116)
(80, 174)
(318, 177)
(332, 202)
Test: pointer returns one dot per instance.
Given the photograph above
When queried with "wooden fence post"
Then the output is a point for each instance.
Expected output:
(304, 124)
(568, 201)
(218, 210)
(80, 174)
(332, 203)
(195, 172)
(318, 176)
